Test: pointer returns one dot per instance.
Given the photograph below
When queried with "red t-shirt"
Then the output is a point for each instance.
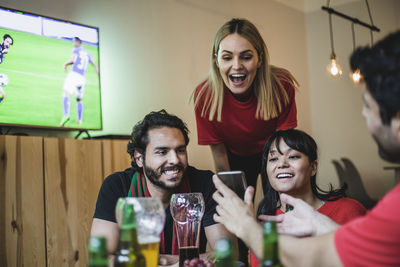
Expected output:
(374, 239)
(239, 129)
(341, 211)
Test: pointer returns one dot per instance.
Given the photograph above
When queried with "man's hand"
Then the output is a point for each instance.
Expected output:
(70, 62)
(168, 260)
(303, 220)
(173, 260)
(238, 215)
(232, 211)
(196, 262)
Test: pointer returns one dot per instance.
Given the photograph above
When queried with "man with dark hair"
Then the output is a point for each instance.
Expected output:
(6, 42)
(74, 83)
(159, 169)
(370, 240)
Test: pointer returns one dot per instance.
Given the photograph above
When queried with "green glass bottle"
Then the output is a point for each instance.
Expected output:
(288, 207)
(98, 252)
(271, 253)
(129, 253)
(224, 252)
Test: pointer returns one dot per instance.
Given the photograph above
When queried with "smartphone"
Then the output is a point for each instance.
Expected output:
(235, 180)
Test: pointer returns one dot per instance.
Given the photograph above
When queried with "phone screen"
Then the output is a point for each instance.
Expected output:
(235, 180)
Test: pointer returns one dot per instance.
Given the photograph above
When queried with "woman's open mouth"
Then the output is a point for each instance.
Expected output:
(237, 79)
(285, 175)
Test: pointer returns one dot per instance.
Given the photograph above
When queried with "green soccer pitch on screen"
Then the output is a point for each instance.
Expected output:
(49, 72)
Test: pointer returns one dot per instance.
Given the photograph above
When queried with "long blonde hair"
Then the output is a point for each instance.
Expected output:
(271, 95)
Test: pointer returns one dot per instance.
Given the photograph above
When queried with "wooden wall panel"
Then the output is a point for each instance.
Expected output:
(22, 221)
(73, 176)
(115, 156)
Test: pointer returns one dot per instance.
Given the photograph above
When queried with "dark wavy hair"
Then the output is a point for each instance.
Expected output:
(5, 36)
(380, 67)
(153, 120)
(302, 142)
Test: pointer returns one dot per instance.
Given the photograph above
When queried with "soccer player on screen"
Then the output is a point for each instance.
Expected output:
(4, 48)
(75, 81)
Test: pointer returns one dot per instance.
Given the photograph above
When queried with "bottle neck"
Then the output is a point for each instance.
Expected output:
(98, 261)
(227, 262)
(271, 254)
(128, 239)
(271, 259)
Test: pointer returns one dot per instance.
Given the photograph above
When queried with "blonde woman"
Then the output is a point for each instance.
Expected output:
(243, 101)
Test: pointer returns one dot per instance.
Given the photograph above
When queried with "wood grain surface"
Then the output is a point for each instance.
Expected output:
(48, 192)
(22, 219)
(115, 156)
(73, 176)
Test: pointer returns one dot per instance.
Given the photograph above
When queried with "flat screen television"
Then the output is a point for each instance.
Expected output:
(49, 72)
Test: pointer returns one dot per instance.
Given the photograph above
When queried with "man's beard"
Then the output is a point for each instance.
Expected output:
(392, 155)
(154, 176)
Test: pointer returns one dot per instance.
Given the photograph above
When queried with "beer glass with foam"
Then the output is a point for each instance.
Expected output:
(150, 219)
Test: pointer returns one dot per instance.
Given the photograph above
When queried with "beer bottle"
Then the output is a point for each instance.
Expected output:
(129, 253)
(271, 253)
(288, 207)
(224, 253)
(98, 252)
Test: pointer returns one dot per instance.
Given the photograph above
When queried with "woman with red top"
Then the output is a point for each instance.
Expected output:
(289, 165)
(243, 100)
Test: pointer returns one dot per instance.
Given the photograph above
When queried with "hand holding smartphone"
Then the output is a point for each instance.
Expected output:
(235, 180)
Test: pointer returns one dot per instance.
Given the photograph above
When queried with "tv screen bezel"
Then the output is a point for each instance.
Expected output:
(30, 126)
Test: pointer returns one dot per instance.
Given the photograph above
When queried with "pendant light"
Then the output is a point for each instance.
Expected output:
(333, 67)
(355, 75)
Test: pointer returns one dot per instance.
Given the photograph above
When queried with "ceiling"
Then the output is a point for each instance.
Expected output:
(312, 5)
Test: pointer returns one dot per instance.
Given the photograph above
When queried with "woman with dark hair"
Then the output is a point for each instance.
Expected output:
(289, 165)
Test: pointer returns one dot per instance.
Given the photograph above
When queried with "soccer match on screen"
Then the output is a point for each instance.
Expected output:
(49, 72)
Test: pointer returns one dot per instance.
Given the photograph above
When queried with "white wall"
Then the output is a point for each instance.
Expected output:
(154, 52)
(337, 124)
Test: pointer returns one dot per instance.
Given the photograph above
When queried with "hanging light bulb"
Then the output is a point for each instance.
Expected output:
(356, 76)
(333, 67)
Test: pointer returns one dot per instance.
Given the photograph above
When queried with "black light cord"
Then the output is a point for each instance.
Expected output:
(372, 23)
(331, 33)
(354, 36)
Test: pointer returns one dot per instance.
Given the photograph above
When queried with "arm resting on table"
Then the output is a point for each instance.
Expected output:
(109, 230)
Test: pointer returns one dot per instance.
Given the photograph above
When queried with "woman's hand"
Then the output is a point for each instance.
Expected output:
(303, 220)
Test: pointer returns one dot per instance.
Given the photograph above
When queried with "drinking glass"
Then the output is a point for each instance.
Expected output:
(150, 219)
(187, 210)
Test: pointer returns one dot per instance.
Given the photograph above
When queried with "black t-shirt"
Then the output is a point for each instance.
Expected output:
(117, 185)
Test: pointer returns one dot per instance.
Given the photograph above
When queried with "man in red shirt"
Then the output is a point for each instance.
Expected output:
(371, 240)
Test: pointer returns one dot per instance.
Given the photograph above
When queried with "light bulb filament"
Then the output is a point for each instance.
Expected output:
(334, 68)
(356, 76)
